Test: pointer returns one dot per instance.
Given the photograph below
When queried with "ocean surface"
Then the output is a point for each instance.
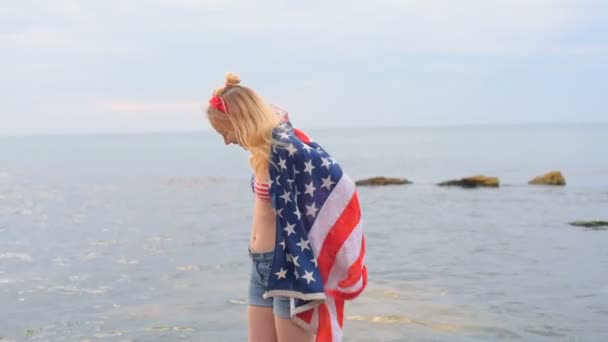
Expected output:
(144, 237)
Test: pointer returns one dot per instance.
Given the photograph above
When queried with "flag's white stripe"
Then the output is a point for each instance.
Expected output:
(331, 211)
(315, 319)
(336, 332)
(347, 255)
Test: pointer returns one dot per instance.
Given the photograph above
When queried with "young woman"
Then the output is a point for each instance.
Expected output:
(297, 288)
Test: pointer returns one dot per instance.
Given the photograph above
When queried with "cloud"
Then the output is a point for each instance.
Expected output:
(64, 7)
(499, 27)
(356, 29)
(37, 38)
(62, 114)
(148, 107)
(143, 64)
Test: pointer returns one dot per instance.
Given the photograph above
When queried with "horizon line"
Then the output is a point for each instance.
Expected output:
(383, 126)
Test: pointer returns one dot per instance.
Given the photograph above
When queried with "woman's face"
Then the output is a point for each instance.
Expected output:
(224, 128)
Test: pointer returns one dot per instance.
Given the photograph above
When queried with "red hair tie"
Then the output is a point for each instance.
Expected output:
(217, 103)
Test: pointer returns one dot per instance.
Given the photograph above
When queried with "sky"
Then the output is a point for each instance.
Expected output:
(70, 66)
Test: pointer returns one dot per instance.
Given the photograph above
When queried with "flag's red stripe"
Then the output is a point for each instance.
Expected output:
(301, 135)
(306, 316)
(336, 236)
(324, 329)
(351, 295)
(340, 311)
(354, 272)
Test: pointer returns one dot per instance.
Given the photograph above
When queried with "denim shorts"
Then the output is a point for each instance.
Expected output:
(258, 284)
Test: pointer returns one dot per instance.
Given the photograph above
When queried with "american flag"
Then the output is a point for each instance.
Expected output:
(319, 256)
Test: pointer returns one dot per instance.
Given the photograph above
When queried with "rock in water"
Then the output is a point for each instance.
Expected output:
(550, 178)
(593, 225)
(383, 181)
(473, 182)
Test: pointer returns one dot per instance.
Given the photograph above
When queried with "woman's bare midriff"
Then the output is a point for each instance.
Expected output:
(263, 230)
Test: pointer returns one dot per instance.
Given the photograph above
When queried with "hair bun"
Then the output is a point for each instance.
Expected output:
(232, 79)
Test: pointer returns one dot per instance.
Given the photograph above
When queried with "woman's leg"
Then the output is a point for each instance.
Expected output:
(288, 331)
(260, 318)
(261, 324)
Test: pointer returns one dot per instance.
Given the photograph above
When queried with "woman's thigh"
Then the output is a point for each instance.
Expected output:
(260, 321)
(260, 317)
(288, 331)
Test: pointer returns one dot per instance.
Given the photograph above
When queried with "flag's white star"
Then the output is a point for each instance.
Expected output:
(311, 210)
(290, 229)
(279, 212)
(306, 147)
(295, 272)
(308, 276)
(313, 260)
(284, 135)
(288, 256)
(282, 163)
(310, 189)
(308, 167)
(291, 149)
(303, 244)
(327, 182)
(294, 259)
(282, 243)
(295, 171)
(326, 162)
(286, 196)
(282, 274)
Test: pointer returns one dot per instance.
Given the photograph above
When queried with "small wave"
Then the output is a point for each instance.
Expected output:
(196, 181)
(10, 281)
(74, 290)
(108, 334)
(169, 328)
(382, 319)
(105, 243)
(26, 212)
(238, 301)
(16, 256)
(400, 319)
(59, 261)
(91, 256)
(188, 268)
(160, 238)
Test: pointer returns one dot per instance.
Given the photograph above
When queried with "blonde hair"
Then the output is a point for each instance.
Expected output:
(253, 121)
